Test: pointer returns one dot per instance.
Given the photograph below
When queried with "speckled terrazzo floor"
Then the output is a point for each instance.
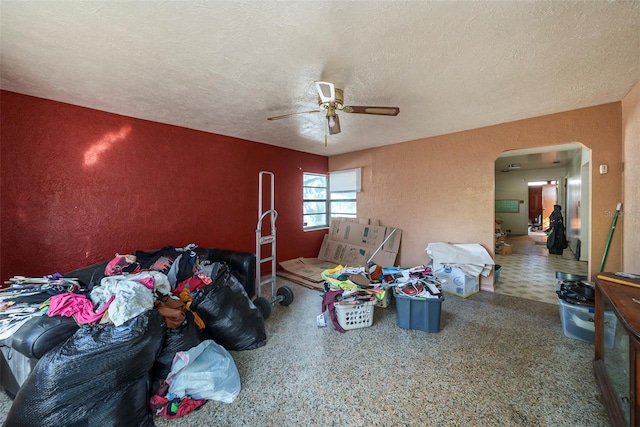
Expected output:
(497, 361)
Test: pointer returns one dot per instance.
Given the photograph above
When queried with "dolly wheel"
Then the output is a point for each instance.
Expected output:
(264, 305)
(287, 295)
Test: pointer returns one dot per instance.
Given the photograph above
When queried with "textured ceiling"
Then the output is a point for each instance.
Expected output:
(224, 67)
(553, 156)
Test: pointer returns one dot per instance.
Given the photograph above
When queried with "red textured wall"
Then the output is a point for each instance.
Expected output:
(79, 185)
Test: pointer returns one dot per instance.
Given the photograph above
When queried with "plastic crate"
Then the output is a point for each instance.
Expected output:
(418, 313)
(578, 322)
(353, 316)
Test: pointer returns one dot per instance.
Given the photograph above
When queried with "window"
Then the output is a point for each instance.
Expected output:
(343, 204)
(314, 200)
(320, 203)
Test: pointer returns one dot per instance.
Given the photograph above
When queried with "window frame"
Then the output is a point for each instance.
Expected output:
(306, 200)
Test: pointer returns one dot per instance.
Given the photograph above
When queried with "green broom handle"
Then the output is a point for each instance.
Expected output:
(613, 227)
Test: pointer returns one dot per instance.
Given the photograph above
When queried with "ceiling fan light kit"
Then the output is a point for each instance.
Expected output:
(334, 124)
(331, 100)
(327, 92)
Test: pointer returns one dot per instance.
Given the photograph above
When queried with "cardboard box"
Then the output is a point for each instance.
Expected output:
(455, 281)
(505, 249)
(352, 244)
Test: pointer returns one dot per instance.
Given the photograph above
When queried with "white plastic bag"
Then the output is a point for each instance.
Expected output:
(206, 371)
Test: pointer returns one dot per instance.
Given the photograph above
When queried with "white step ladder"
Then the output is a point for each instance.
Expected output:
(283, 295)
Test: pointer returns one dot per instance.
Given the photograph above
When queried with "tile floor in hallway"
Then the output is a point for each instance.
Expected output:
(530, 272)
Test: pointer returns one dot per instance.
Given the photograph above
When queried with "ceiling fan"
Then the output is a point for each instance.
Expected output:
(331, 100)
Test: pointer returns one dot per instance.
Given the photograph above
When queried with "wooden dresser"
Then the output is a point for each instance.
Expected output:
(617, 358)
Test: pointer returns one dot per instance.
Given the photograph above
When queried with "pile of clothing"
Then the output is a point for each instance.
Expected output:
(22, 299)
(152, 324)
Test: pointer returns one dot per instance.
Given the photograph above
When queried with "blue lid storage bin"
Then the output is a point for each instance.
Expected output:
(418, 313)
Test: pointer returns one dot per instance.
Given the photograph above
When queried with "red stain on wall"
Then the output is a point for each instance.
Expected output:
(79, 185)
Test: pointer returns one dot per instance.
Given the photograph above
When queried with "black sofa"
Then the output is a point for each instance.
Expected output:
(20, 352)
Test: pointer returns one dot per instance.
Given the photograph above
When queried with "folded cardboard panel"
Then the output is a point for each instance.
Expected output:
(334, 229)
(343, 253)
(361, 234)
(352, 244)
(308, 268)
(358, 220)
(366, 235)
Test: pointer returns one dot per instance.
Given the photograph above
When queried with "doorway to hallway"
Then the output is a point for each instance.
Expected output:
(559, 175)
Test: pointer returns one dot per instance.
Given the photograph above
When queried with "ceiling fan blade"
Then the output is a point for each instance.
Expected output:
(335, 129)
(326, 91)
(380, 111)
(284, 116)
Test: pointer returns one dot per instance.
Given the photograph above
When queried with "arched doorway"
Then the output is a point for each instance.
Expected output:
(559, 174)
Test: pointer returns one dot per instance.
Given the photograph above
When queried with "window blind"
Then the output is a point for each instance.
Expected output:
(345, 181)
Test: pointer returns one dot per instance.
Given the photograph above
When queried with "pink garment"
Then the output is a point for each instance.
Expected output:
(78, 306)
(117, 265)
(148, 282)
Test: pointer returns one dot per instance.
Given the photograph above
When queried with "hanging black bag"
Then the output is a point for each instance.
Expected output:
(556, 234)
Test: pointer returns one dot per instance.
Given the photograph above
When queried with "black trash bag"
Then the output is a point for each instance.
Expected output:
(229, 316)
(182, 338)
(556, 234)
(99, 377)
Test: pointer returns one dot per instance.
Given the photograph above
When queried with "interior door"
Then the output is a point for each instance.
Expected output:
(535, 203)
(549, 198)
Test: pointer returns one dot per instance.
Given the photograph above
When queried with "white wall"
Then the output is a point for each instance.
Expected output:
(585, 204)
(577, 206)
